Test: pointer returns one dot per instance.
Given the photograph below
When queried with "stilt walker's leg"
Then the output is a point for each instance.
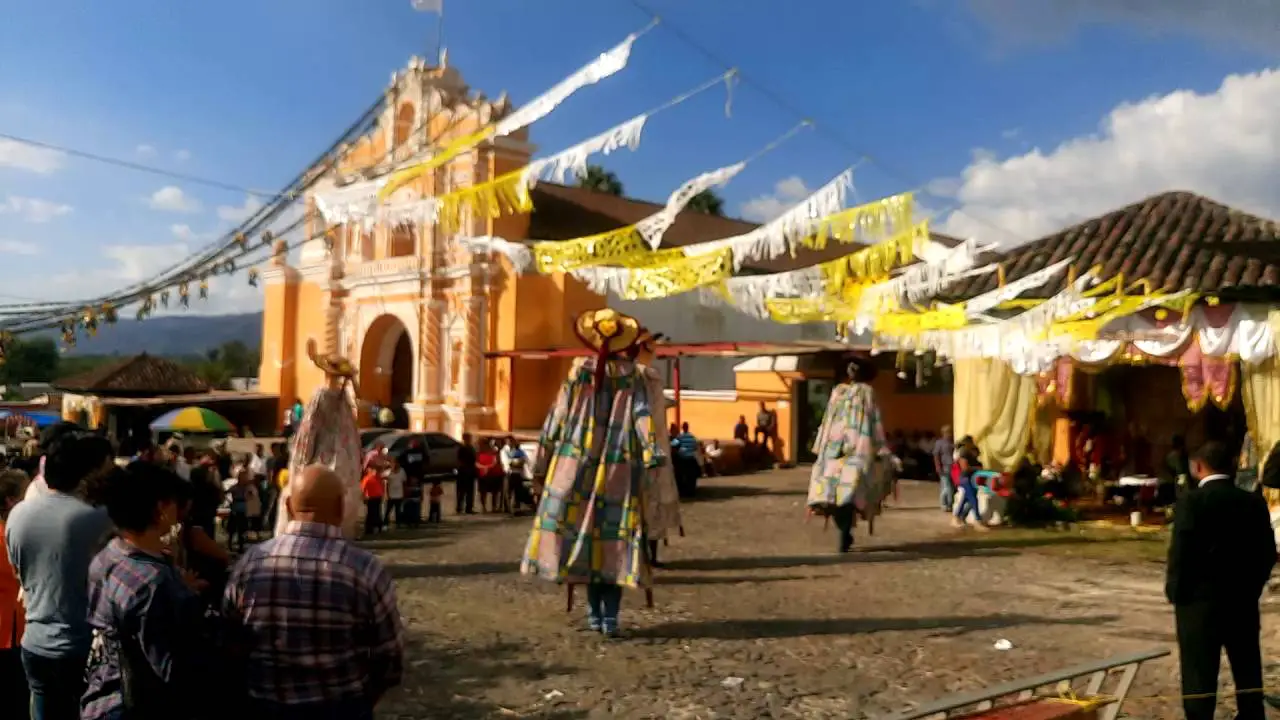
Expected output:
(648, 598)
(568, 601)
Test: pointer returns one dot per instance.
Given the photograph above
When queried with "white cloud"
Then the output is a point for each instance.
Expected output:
(15, 247)
(30, 157)
(786, 193)
(182, 232)
(1253, 23)
(171, 198)
(33, 210)
(182, 155)
(234, 214)
(145, 150)
(1224, 145)
(139, 262)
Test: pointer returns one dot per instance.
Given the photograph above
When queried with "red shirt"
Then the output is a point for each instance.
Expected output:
(372, 487)
(488, 464)
(12, 614)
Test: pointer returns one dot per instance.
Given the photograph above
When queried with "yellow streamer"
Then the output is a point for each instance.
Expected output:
(794, 311)
(614, 247)
(945, 317)
(449, 152)
(874, 262)
(504, 195)
(681, 275)
(873, 219)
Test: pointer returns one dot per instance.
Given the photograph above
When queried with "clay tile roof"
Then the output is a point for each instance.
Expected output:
(561, 212)
(1175, 240)
(138, 375)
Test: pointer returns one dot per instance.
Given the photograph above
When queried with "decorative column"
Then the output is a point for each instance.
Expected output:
(430, 389)
(473, 372)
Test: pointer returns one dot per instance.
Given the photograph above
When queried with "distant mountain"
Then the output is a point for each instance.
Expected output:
(172, 335)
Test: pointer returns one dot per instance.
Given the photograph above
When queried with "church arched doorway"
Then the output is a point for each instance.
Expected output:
(386, 369)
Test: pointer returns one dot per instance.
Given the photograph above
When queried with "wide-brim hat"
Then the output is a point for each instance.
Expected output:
(607, 331)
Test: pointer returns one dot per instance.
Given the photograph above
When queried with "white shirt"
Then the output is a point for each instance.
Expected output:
(395, 484)
(713, 451)
(181, 467)
(257, 466)
(1210, 478)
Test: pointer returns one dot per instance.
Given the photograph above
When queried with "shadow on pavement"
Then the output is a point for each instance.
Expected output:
(784, 628)
(444, 680)
(987, 546)
(403, 571)
(720, 493)
(784, 561)
(664, 579)
(429, 536)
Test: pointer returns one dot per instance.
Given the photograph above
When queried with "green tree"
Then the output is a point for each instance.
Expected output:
(707, 202)
(601, 180)
(225, 362)
(34, 360)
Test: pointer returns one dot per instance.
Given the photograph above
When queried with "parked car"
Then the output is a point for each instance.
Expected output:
(442, 450)
(370, 436)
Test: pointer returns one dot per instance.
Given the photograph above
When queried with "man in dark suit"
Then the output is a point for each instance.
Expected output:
(1220, 559)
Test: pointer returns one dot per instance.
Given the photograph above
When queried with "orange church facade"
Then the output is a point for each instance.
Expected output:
(412, 308)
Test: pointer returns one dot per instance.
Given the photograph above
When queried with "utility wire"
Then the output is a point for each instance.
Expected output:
(782, 103)
(136, 166)
(55, 314)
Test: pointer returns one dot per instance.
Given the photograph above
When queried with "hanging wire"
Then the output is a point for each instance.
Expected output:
(782, 103)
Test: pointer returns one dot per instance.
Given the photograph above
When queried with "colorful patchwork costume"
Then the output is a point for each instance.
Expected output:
(597, 451)
(852, 469)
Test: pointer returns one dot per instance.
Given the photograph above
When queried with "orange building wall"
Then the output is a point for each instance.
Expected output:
(911, 412)
(276, 372)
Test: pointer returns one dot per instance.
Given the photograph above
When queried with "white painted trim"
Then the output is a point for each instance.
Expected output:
(708, 395)
(372, 287)
(315, 272)
(276, 274)
(769, 363)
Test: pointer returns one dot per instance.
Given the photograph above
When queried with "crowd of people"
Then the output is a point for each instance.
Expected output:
(126, 607)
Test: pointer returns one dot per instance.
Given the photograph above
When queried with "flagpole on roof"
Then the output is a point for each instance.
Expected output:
(440, 33)
(436, 7)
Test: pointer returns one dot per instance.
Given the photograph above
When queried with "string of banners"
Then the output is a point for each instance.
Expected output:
(358, 202)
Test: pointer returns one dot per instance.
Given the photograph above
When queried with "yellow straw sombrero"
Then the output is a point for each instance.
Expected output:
(607, 331)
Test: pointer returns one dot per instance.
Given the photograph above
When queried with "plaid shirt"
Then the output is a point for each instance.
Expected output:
(316, 619)
(138, 601)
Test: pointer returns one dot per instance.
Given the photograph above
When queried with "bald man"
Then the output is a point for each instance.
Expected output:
(288, 610)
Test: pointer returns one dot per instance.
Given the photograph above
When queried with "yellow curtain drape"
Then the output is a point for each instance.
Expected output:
(1260, 390)
(1042, 432)
(997, 407)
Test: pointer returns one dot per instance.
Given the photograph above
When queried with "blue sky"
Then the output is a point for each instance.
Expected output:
(1006, 115)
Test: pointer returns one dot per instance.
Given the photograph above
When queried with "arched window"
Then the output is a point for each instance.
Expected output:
(404, 126)
(401, 241)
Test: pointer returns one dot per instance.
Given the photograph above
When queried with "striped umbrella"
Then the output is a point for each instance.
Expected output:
(191, 419)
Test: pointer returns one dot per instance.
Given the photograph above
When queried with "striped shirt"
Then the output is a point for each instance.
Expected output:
(686, 445)
(316, 619)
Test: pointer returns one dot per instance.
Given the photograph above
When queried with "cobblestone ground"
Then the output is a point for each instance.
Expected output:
(756, 594)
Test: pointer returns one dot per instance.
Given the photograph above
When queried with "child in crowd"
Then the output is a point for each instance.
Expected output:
(436, 495)
(238, 519)
(968, 464)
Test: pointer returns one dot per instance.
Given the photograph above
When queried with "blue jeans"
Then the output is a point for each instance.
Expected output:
(603, 603)
(56, 685)
(946, 491)
(968, 499)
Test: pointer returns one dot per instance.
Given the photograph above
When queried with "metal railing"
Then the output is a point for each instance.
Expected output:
(1085, 680)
